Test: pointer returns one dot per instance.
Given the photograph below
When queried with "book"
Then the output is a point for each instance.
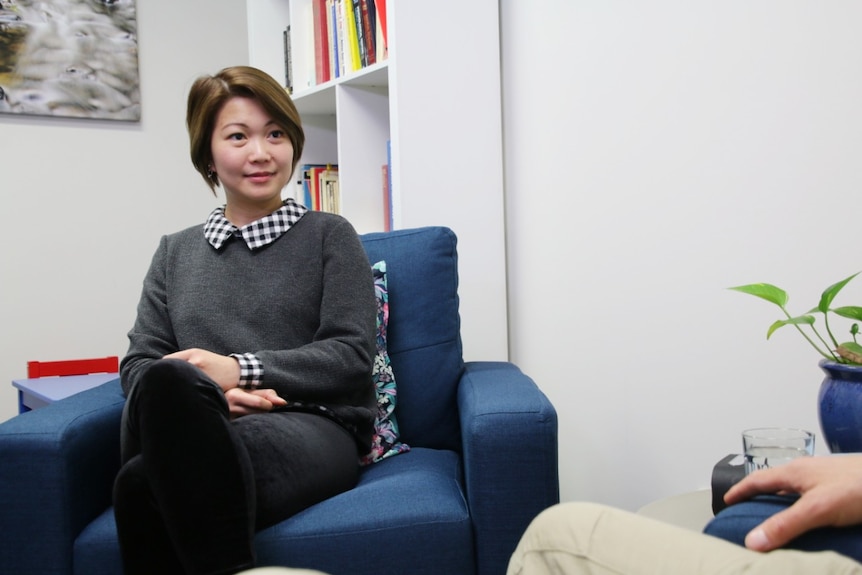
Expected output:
(351, 50)
(330, 200)
(341, 26)
(288, 61)
(307, 67)
(321, 44)
(304, 193)
(367, 30)
(380, 19)
(330, 39)
(335, 33)
(317, 187)
(372, 19)
(360, 32)
(314, 186)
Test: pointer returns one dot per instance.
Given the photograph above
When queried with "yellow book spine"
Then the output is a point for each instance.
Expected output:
(352, 38)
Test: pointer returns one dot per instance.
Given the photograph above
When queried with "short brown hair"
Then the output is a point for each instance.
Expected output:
(210, 93)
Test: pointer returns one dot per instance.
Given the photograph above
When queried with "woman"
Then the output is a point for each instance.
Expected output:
(248, 375)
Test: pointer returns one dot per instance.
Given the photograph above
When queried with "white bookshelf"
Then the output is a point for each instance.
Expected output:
(437, 98)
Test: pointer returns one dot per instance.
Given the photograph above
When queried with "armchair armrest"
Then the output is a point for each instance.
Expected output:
(509, 441)
(59, 464)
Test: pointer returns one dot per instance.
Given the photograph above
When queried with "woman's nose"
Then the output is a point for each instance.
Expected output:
(260, 151)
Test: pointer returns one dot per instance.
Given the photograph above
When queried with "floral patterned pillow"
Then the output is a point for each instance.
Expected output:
(385, 442)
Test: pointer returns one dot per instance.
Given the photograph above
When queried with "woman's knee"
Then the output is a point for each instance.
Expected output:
(174, 379)
(168, 374)
(169, 392)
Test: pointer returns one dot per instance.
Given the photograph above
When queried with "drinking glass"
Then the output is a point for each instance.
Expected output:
(773, 446)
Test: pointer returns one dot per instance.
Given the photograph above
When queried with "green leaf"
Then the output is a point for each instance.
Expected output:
(768, 292)
(851, 312)
(831, 292)
(802, 319)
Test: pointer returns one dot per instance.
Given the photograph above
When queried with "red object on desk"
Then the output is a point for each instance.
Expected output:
(36, 369)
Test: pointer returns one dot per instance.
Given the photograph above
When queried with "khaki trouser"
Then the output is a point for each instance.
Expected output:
(591, 539)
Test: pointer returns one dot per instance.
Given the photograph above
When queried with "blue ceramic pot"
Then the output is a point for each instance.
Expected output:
(840, 402)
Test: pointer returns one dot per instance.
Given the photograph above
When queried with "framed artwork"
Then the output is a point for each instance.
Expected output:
(70, 58)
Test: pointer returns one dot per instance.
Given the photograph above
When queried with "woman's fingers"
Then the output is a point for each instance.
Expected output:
(242, 402)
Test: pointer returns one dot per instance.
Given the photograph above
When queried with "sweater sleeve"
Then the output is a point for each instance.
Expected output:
(152, 335)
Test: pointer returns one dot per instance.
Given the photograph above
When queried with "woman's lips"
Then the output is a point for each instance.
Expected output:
(259, 177)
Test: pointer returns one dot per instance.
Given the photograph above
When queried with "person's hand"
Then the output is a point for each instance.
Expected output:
(222, 369)
(831, 496)
(245, 402)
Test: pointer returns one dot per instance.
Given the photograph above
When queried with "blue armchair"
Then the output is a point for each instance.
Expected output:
(482, 463)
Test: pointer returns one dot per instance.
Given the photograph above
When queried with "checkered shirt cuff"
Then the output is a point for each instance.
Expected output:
(250, 370)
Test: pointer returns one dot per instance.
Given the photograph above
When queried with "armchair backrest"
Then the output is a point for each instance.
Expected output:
(424, 331)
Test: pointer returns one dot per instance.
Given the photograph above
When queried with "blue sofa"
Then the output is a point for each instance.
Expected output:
(482, 463)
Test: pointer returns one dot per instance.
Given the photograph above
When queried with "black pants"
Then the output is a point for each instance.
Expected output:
(195, 485)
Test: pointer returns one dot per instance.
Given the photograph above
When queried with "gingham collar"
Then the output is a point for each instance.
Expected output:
(218, 230)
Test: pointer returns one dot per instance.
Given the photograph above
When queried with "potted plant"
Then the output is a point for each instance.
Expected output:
(840, 397)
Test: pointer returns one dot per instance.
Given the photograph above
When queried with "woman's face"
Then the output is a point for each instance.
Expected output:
(252, 156)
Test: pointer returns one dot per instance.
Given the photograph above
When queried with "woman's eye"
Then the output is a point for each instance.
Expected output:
(236, 137)
(277, 134)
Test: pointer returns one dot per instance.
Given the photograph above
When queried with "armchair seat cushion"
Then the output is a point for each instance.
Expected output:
(407, 515)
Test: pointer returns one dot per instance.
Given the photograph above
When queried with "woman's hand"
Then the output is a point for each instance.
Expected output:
(831, 496)
(245, 402)
(222, 369)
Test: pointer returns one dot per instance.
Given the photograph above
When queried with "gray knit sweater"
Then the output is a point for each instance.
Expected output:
(304, 305)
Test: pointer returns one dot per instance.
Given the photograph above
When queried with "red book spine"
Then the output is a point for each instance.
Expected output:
(321, 44)
(380, 5)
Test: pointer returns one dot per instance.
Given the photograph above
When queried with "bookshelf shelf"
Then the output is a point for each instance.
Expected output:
(435, 104)
(320, 99)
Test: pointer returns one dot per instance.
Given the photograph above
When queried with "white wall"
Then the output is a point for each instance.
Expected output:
(85, 202)
(656, 153)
